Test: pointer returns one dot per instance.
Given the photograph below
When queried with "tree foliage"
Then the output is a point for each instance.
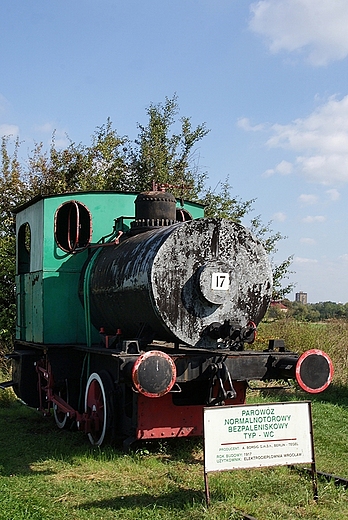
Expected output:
(224, 204)
(12, 193)
(167, 156)
(309, 312)
(165, 152)
(281, 271)
(102, 165)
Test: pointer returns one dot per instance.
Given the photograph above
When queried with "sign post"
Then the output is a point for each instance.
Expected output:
(254, 436)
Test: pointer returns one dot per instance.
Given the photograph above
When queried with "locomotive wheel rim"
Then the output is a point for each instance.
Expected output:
(61, 418)
(96, 408)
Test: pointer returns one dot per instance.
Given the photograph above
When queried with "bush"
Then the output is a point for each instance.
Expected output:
(330, 336)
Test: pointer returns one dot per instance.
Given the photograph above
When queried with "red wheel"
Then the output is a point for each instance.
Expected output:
(99, 407)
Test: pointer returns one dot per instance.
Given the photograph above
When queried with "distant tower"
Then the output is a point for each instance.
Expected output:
(301, 297)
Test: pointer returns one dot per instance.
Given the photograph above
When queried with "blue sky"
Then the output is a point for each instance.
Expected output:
(269, 79)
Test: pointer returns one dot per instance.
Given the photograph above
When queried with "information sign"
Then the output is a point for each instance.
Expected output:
(257, 435)
(250, 436)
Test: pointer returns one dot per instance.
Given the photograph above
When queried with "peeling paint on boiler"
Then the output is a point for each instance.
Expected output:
(164, 279)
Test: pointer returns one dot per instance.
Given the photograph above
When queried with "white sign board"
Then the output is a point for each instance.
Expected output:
(220, 281)
(250, 436)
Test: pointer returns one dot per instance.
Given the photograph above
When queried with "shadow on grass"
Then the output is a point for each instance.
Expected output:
(173, 500)
(335, 394)
(187, 450)
(27, 437)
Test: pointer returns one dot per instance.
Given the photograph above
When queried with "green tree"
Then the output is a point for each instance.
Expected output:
(101, 166)
(329, 310)
(167, 157)
(301, 312)
(165, 152)
(280, 271)
(12, 193)
(223, 204)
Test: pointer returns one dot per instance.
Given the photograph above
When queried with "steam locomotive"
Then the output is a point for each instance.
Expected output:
(134, 311)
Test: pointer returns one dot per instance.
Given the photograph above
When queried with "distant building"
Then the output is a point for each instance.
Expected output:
(279, 305)
(301, 297)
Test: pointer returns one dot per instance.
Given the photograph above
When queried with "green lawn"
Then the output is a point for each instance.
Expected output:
(47, 473)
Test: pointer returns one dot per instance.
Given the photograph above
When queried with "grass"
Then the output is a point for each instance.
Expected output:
(332, 337)
(47, 473)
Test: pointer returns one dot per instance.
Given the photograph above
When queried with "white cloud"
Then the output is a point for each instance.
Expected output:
(283, 168)
(279, 217)
(308, 241)
(6, 129)
(308, 200)
(61, 140)
(333, 194)
(244, 123)
(313, 219)
(9, 130)
(344, 257)
(46, 128)
(299, 260)
(321, 141)
(325, 169)
(316, 28)
(50, 131)
(325, 129)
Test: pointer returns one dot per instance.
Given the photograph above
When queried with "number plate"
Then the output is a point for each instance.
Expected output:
(220, 281)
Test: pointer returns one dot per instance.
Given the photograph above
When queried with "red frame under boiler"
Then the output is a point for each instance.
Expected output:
(160, 418)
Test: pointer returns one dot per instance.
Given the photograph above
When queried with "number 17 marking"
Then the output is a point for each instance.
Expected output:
(220, 281)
